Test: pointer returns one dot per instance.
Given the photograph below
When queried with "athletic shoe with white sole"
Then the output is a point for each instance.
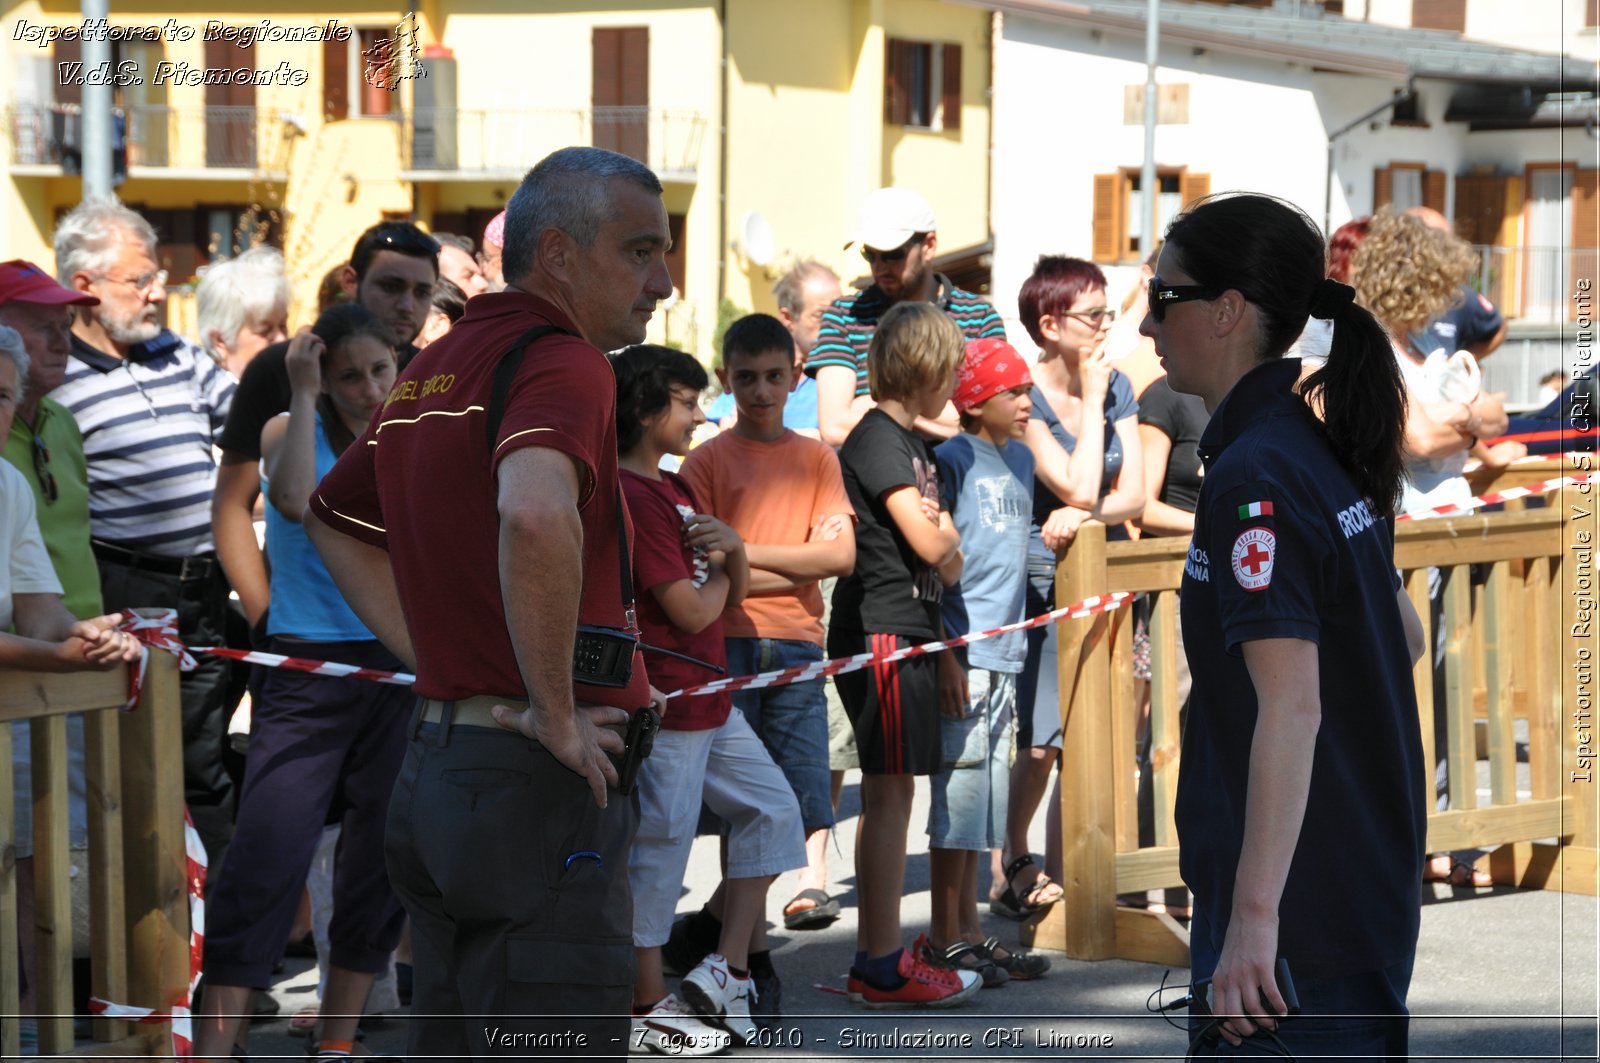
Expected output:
(713, 993)
(922, 984)
(671, 1029)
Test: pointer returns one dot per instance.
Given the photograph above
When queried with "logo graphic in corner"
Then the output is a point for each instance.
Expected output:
(1252, 558)
(391, 60)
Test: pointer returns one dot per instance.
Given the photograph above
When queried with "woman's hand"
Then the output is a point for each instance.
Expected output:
(1094, 370)
(1061, 527)
(1244, 986)
(304, 361)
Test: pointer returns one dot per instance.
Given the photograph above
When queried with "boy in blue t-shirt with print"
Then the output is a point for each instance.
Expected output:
(988, 476)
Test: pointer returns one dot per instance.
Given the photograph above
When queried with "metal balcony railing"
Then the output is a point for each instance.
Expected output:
(462, 140)
(154, 135)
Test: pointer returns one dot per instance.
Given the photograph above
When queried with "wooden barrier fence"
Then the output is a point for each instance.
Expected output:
(1508, 657)
(139, 904)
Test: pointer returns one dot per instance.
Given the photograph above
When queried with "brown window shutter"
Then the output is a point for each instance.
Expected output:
(1193, 186)
(621, 69)
(1439, 15)
(897, 81)
(67, 52)
(677, 257)
(607, 69)
(1591, 14)
(1585, 236)
(950, 92)
(1433, 189)
(1382, 188)
(1107, 217)
(335, 80)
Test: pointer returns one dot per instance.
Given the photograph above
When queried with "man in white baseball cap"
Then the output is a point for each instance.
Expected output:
(897, 233)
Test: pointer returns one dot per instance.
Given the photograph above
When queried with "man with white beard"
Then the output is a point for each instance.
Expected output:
(150, 405)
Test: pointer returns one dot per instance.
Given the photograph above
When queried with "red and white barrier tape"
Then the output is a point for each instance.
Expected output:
(178, 1013)
(1100, 603)
(155, 629)
(160, 632)
(1496, 497)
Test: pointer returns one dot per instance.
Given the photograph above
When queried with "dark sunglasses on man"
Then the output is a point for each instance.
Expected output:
(1164, 295)
(874, 256)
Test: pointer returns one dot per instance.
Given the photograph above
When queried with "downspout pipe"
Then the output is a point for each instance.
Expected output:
(1389, 104)
(722, 167)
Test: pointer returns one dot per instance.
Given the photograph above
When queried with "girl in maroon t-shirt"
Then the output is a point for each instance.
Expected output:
(688, 567)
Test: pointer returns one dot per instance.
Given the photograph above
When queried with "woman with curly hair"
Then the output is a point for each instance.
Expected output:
(1407, 273)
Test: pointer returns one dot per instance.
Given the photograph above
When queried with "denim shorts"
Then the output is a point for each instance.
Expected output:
(968, 809)
(792, 721)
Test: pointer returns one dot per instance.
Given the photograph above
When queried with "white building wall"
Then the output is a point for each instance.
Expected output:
(1253, 124)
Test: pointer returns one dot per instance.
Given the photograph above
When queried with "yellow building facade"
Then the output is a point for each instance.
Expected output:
(759, 116)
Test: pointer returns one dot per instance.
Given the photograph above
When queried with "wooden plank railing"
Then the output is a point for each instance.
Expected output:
(138, 900)
(1508, 649)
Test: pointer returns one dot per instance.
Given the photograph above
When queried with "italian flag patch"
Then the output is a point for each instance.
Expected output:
(1255, 509)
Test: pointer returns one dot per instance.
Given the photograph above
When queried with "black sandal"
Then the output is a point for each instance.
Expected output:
(1023, 966)
(1012, 906)
(965, 956)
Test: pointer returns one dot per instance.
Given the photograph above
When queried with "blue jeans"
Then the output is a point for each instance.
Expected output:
(792, 721)
(1358, 1016)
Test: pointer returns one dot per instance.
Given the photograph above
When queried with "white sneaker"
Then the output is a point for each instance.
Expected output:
(714, 993)
(671, 1029)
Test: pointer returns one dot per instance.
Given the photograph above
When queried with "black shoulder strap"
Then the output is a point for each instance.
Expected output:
(505, 371)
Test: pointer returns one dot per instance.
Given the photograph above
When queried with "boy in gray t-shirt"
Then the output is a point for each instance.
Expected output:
(988, 474)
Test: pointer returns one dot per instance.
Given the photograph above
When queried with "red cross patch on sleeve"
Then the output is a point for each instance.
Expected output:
(1252, 558)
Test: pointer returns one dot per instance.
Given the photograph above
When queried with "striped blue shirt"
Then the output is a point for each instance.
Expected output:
(848, 325)
(148, 425)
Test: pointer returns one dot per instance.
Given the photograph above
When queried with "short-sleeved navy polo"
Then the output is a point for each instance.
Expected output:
(1286, 547)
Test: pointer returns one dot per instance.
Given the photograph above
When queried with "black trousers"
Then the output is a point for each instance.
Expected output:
(517, 888)
(202, 602)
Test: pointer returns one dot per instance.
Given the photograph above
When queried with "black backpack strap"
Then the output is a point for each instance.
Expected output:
(505, 371)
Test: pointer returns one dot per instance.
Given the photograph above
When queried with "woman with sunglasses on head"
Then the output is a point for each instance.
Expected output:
(1084, 435)
(1300, 797)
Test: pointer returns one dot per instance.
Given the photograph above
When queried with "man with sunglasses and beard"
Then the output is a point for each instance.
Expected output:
(898, 238)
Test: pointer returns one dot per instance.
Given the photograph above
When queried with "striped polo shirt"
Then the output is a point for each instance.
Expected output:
(848, 325)
(148, 426)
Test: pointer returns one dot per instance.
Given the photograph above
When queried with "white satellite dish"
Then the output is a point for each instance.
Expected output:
(757, 240)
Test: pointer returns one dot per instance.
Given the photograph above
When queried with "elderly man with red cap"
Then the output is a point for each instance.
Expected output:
(44, 443)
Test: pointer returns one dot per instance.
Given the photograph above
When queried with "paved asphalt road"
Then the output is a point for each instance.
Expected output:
(1501, 974)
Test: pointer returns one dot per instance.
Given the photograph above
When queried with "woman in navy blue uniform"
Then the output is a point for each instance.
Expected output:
(1300, 811)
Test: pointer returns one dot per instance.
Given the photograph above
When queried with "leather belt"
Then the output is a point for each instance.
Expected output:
(478, 712)
(185, 568)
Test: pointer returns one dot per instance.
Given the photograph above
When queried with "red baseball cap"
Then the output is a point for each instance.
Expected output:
(23, 282)
(990, 367)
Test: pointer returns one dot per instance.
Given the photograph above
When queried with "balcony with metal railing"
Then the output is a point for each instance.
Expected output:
(150, 140)
(1534, 285)
(478, 144)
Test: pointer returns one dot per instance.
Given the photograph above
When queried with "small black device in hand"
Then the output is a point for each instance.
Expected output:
(641, 738)
(603, 656)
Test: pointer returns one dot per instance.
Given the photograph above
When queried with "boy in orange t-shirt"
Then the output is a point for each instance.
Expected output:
(784, 494)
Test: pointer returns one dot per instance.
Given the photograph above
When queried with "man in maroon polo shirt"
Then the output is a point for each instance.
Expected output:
(476, 562)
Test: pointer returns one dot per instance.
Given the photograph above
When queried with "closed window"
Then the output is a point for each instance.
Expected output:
(922, 84)
(1439, 15)
(1403, 185)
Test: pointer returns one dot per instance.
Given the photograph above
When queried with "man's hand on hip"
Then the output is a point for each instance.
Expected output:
(583, 741)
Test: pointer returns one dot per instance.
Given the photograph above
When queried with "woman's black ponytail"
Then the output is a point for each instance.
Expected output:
(1361, 399)
(1272, 252)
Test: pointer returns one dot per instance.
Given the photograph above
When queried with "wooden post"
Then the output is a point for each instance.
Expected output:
(1088, 829)
(107, 913)
(52, 886)
(153, 836)
(1124, 708)
(1164, 710)
(10, 988)
(1498, 651)
(1461, 751)
(1422, 676)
